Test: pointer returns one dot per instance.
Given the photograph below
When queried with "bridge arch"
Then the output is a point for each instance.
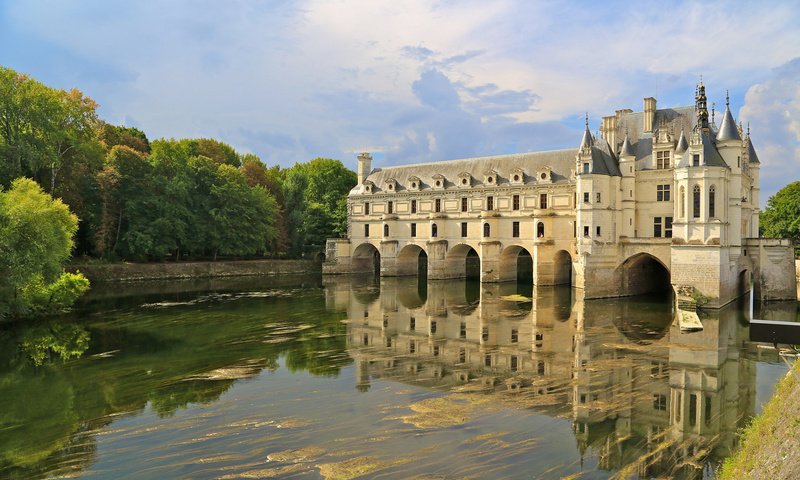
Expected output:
(643, 273)
(516, 263)
(462, 261)
(366, 259)
(412, 260)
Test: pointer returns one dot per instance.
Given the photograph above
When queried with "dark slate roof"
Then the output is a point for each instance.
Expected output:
(587, 138)
(561, 163)
(627, 149)
(751, 152)
(728, 130)
(603, 160)
(682, 144)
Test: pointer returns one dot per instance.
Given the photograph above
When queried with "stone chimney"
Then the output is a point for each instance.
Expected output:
(649, 113)
(364, 166)
(609, 130)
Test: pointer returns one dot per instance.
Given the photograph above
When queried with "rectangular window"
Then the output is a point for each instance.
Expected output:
(598, 197)
(598, 231)
(668, 227)
(433, 326)
(513, 363)
(438, 205)
(464, 204)
(514, 335)
(543, 201)
(413, 229)
(657, 227)
(436, 350)
(463, 229)
(692, 410)
(463, 330)
(585, 197)
(485, 334)
(366, 208)
(586, 167)
(413, 206)
(585, 230)
(515, 229)
(366, 230)
(462, 355)
(659, 401)
(696, 160)
(489, 203)
(515, 202)
(412, 324)
(662, 193)
(412, 346)
(487, 360)
(390, 207)
(662, 159)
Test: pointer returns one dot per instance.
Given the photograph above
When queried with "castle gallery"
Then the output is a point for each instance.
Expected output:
(661, 197)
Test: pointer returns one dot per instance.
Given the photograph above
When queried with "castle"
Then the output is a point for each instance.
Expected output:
(662, 197)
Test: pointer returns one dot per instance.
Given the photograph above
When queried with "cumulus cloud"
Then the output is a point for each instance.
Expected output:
(772, 108)
(417, 80)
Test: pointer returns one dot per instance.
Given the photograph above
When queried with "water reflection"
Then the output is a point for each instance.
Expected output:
(644, 398)
(251, 378)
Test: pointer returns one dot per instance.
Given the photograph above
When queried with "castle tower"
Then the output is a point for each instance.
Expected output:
(364, 166)
(627, 165)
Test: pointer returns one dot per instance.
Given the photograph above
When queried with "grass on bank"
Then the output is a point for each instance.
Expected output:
(770, 446)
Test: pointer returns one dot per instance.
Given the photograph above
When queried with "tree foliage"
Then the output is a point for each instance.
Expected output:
(142, 200)
(35, 240)
(781, 218)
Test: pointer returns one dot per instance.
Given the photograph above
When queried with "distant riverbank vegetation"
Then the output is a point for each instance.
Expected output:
(143, 200)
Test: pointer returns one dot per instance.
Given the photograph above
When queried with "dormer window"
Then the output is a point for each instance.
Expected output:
(369, 187)
(545, 174)
(662, 159)
(413, 183)
(438, 181)
(464, 180)
(391, 185)
(517, 176)
(696, 160)
(585, 167)
(490, 177)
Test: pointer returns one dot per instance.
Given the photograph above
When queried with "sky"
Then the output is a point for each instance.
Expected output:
(412, 81)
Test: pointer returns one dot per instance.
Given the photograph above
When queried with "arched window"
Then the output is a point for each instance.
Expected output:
(487, 230)
(540, 230)
(696, 202)
(712, 202)
(386, 230)
(434, 230)
(683, 202)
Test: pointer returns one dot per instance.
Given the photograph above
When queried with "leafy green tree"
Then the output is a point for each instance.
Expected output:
(112, 135)
(781, 218)
(315, 194)
(36, 234)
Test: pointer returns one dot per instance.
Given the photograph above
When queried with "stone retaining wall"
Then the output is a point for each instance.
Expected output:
(124, 272)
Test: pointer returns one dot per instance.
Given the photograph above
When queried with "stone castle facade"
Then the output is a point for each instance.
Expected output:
(661, 197)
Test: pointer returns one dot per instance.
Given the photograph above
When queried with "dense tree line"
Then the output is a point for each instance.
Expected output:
(142, 200)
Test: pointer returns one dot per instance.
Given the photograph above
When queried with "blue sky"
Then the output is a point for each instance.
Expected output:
(412, 81)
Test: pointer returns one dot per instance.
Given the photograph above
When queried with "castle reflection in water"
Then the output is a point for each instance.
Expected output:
(641, 395)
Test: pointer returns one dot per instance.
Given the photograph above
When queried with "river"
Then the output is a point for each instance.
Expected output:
(355, 377)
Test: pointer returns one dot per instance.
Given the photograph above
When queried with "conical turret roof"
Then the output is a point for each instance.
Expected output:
(728, 130)
(627, 149)
(683, 145)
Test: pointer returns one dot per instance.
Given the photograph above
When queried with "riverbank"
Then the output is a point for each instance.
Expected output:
(128, 272)
(770, 446)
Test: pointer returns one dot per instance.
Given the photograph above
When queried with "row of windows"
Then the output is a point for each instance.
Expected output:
(437, 204)
(486, 230)
(696, 197)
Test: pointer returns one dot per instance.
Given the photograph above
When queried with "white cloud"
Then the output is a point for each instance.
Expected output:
(772, 107)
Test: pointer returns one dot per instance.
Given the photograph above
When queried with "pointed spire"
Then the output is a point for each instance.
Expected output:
(683, 145)
(700, 107)
(627, 149)
(586, 141)
(728, 129)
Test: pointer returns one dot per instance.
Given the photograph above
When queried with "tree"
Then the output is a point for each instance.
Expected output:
(315, 194)
(781, 218)
(36, 234)
(131, 137)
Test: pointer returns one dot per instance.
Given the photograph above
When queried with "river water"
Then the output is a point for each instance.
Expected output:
(359, 378)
